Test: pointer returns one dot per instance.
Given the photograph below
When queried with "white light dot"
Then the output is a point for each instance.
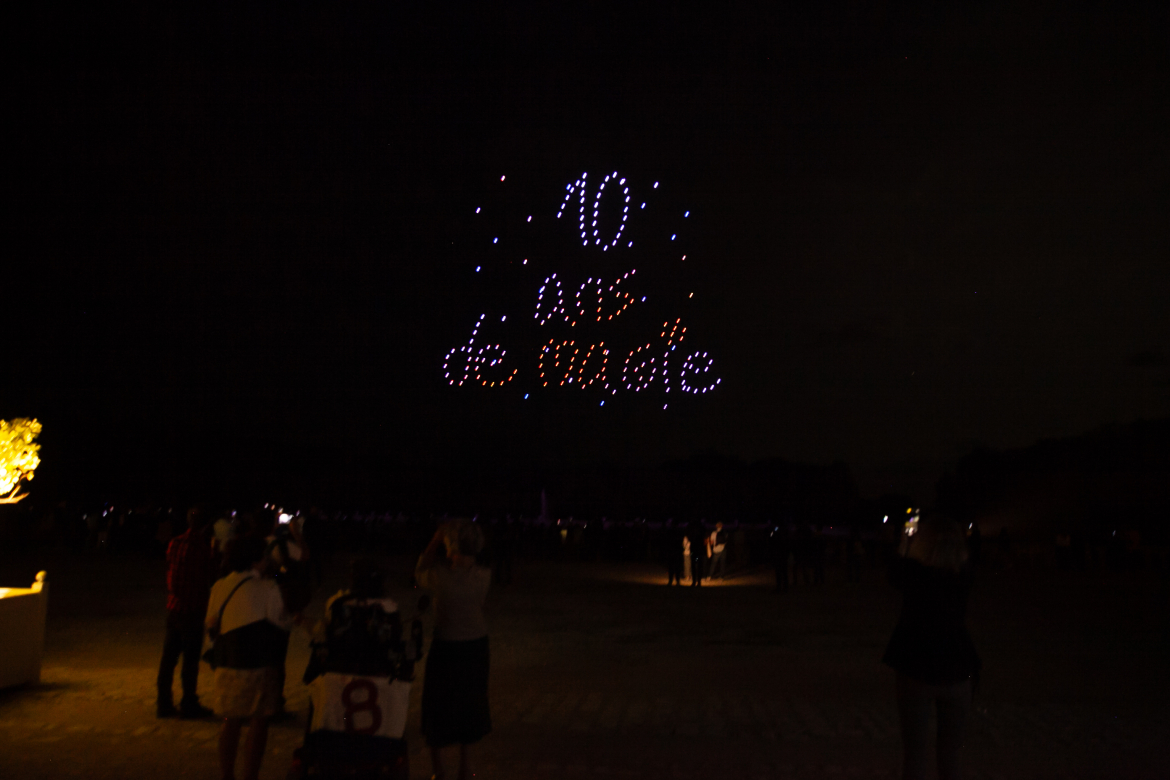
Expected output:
(501, 178)
(505, 317)
(477, 268)
(643, 205)
(497, 240)
(686, 214)
(526, 396)
(477, 210)
(673, 236)
(529, 217)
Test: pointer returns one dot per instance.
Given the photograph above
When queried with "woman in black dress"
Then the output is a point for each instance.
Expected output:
(931, 651)
(455, 690)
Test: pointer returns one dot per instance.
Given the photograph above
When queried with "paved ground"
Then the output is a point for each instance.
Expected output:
(601, 671)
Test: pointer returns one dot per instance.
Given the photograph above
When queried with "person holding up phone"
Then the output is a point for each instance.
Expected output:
(455, 710)
(931, 650)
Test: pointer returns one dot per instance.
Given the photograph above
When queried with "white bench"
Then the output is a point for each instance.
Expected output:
(22, 632)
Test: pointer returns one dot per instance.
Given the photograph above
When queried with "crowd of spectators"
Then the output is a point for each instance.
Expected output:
(811, 546)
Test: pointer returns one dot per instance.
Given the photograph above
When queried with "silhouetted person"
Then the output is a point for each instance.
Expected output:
(975, 545)
(594, 537)
(804, 552)
(191, 569)
(287, 557)
(820, 551)
(672, 544)
(360, 627)
(931, 651)
(1004, 543)
(697, 536)
(717, 544)
(314, 530)
(503, 550)
(854, 555)
(780, 550)
(1133, 548)
(455, 710)
(1063, 551)
(247, 613)
(1078, 551)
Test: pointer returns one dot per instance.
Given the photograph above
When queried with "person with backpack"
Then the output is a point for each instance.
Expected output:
(360, 624)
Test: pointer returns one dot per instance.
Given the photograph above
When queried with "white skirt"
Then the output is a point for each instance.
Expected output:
(246, 693)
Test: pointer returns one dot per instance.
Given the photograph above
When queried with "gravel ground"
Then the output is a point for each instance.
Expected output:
(602, 671)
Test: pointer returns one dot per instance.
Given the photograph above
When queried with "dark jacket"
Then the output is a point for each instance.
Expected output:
(698, 536)
(931, 643)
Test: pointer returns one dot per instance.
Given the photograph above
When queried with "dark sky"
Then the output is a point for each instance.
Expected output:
(245, 237)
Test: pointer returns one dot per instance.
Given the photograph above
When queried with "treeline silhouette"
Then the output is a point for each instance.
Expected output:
(1114, 479)
(706, 486)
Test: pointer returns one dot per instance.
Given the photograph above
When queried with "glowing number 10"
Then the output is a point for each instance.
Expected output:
(578, 188)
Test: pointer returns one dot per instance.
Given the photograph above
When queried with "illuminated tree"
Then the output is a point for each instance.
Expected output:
(18, 456)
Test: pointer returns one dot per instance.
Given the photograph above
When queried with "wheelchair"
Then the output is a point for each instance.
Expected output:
(359, 676)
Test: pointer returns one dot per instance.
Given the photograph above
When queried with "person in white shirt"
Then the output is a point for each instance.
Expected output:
(717, 545)
(455, 709)
(249, 625)
(224, 533)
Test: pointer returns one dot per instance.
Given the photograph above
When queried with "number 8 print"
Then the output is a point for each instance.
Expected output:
(368, 704)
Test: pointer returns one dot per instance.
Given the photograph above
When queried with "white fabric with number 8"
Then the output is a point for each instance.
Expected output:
(373, 706)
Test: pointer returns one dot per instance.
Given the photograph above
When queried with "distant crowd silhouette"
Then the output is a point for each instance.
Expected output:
(806, 548)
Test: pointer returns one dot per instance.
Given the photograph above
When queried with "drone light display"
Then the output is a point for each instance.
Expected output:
(584, 335)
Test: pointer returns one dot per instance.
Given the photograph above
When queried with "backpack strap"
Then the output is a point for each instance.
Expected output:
(219, 620)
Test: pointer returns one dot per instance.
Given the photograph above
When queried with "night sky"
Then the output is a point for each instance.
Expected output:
(238, 244)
